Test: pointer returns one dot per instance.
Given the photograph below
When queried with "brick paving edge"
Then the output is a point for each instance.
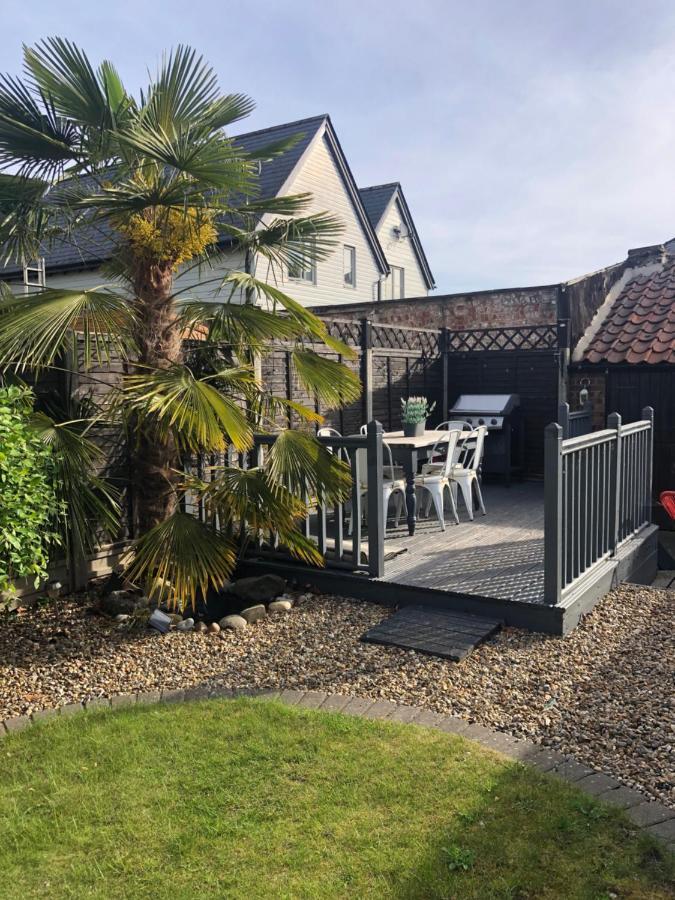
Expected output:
(650, 816)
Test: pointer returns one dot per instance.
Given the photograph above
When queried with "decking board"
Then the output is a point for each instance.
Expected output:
(500, 555)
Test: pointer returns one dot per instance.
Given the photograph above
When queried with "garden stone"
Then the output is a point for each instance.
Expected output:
(200, 627)
(233, 623)
(213, 628)
(176, 619)
(254, 613)
(186, 625)
(258, 588)
(159, 621)
(118, 603)
(279, 606)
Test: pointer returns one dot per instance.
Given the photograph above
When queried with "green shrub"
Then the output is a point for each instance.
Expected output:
(27, 499)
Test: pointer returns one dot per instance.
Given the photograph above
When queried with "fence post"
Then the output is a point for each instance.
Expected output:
(553, 496)
(367, 368)
(614, 421)
(648, 413)
(445, 370)
(375, 506)
(564, 419)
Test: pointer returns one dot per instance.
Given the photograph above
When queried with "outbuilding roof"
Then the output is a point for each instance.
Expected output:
(639, 327)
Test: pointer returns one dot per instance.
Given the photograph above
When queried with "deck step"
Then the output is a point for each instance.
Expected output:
(439, 632)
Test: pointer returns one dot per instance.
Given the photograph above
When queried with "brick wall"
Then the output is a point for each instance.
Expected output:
(478, 309)
(595, 383)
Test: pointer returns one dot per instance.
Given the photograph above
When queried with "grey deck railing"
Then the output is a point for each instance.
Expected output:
(575, 423)
(597, 495)
(326, 526)
(362, 551)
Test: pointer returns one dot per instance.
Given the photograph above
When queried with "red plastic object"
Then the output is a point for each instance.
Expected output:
(667, 499)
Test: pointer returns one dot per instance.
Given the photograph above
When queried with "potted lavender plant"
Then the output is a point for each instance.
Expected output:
(414, 414)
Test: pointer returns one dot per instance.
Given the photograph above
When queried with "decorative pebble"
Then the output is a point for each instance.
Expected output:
(605, 688)
(186, 625)
(254, 613)
(201, 627)
(233, 623)
(279, 606)
(213, 628)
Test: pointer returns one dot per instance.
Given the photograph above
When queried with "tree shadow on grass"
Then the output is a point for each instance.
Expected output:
(527, 836)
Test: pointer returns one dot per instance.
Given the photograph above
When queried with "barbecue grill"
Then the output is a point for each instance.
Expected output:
(501, 413)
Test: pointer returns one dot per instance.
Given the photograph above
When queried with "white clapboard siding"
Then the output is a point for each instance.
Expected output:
(197, 283)
(400, 252)
(318, 175)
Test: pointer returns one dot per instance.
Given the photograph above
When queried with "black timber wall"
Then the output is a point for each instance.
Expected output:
(532, 374)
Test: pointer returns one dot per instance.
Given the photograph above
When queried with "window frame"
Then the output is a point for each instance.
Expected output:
(302, 277)
(352, 252)
(401, 271)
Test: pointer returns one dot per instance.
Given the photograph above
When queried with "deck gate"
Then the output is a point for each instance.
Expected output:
(575, 423)
(597, 495)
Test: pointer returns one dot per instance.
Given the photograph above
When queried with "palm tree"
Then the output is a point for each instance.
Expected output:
(83, 161)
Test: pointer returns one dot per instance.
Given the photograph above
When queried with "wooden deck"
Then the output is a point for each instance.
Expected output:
(499, 555)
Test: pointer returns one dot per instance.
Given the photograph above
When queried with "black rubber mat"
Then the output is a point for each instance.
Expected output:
(439, 632)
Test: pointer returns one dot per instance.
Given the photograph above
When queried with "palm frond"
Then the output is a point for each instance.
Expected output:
(91, 504)
(33, 137)
(185, 90)
(238, 324)
(36, 329)
(307, 468)
(60, 70)
(249, 497)
(309, 324)
(184, 557)
(208, 157)
(200, 416)
(332, 383)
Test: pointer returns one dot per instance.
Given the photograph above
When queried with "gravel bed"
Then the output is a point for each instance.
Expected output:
(603, 693)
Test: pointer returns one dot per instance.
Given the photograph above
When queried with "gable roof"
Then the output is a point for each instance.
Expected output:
(377, 200)
(274, 172)
(639, 326)
(96, 245)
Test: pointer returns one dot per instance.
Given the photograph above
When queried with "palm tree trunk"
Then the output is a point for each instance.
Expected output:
(160, 346)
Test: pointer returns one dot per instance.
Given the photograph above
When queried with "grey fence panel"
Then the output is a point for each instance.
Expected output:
(597, 495)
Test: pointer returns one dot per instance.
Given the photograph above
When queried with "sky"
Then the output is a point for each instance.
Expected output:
(535, 141)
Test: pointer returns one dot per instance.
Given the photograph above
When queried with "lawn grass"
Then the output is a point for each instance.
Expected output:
(253, 799)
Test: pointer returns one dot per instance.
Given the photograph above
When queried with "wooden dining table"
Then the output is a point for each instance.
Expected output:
(408, 453)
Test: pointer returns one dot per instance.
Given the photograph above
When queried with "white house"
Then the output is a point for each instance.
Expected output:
(379, 255)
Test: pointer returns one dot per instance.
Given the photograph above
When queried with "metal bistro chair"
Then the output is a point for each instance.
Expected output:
(436, 463)
(436, 480)
(465, 472)
(393, 483)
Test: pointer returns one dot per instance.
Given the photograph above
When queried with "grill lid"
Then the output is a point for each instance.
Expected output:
(486, 404)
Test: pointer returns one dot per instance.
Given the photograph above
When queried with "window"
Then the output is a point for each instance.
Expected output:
(397, 283)
(304, 270)
(349, 265)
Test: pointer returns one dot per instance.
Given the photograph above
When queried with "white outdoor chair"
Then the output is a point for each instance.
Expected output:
(465, 472)
(436, 464)
(328, 431)
(392, 484)
(436, 480)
